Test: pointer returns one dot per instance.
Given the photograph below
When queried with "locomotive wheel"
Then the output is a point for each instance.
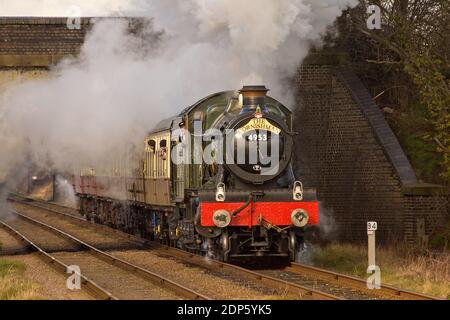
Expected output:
(224, 247)
(165, 239)
(293, 246)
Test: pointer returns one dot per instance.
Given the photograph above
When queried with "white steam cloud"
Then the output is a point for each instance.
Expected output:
(122, 84)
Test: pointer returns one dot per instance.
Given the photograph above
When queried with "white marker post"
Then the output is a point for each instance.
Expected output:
(371, 228)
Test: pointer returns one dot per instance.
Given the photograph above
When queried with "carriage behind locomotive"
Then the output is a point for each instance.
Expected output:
(231, 204)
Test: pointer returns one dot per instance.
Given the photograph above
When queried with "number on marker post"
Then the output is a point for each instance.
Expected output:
(372, 226)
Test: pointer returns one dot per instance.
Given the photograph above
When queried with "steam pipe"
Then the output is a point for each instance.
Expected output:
(245, 205)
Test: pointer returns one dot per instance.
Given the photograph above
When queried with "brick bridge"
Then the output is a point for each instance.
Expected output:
(346, 148)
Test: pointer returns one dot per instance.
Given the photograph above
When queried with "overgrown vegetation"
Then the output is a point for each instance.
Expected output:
(414, 129)
(426, 272)
(441, 239)
(406, 66)
(13, 286)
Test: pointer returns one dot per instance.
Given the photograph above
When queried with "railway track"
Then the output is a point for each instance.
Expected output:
(118, 279)
(314, 283)
(50, 206)
(104, 238)
(296, 280)
(383, 291)
(87, 284)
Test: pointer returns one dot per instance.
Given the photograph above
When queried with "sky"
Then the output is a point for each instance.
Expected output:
(58, 8)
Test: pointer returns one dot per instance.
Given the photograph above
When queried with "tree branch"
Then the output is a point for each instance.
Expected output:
(383, 62)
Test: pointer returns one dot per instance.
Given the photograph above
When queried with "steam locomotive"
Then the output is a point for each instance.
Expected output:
(217, 179)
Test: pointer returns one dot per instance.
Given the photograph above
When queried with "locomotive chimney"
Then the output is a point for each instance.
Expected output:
(252, 97)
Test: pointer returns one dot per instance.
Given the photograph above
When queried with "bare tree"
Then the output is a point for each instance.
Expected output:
(408, 55)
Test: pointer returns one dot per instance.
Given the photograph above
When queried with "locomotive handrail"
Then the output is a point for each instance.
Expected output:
(247, 203)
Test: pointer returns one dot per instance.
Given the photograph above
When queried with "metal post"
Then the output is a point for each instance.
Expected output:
(371, 228)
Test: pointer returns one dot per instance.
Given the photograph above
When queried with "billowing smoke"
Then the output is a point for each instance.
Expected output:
(123, 83)
(65, 193)
(326, 231)
(327, 225)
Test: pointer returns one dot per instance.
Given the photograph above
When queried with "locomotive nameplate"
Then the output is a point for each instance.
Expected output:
(258, 124)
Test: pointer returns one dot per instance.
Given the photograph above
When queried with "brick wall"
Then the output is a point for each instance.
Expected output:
(38, 42)
(426, 211)
(348, 152)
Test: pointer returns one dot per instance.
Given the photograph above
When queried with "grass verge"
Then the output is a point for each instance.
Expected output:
(13, 285)
(426, 272)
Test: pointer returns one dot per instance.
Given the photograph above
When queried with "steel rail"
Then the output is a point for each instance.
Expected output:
(89, 285)
(34, 203)
(78, 220)
(146, 274)
(279, 285)
(357, 282)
